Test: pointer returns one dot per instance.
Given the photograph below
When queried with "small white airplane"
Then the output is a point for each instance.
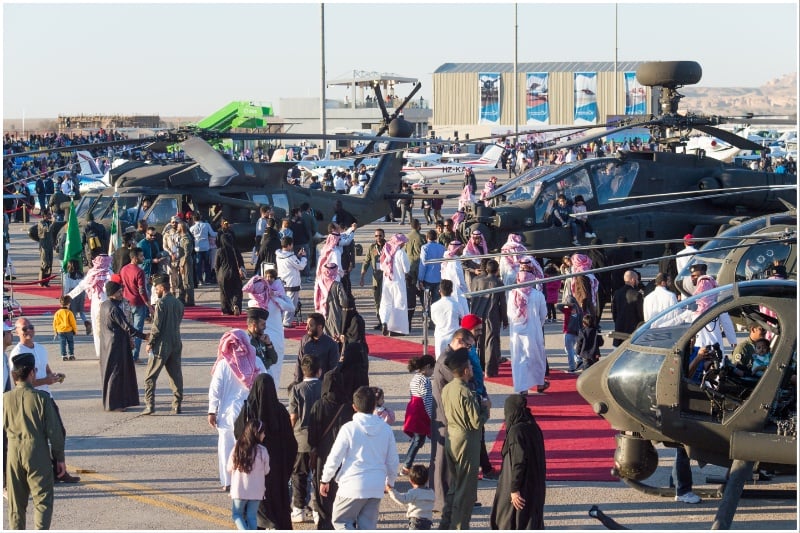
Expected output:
(432, 166)
(90, 177)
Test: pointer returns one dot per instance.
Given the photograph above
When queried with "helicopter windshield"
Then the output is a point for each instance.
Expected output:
(614, 180)
(632, 381)
(524, 181)
(83, 206)
(754, 263)
(567, 183)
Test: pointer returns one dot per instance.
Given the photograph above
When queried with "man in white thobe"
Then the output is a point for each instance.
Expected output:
(231, 378)
(446, 315)
(393, 310)
(453, 271)
(527, 312)
(686, 254)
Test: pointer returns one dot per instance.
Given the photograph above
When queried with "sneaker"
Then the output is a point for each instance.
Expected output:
(575, 242)
(298, 515)
(64, 358)
(689, 497)
(405, 471)
(71, 357)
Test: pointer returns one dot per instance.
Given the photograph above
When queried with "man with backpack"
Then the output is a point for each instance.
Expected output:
(95, 238)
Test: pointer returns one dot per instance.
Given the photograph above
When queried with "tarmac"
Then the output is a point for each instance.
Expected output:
(160, 472)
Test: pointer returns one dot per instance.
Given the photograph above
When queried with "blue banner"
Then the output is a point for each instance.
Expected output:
(489, 88)
(537, 108)
(586, 98)
(635, 95)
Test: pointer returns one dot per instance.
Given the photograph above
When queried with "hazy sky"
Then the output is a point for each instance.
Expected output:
(183, 59)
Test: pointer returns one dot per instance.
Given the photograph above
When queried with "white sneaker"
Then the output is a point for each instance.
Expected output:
(315, 516)
(575, 242)
(588, 235)
(298, 515)
(689, 497)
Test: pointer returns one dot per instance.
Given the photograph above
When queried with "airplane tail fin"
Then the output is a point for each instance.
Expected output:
(88, 166)
(491, 155)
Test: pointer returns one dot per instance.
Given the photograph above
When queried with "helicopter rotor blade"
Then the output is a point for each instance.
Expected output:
(406, 100)
(548, 251)
(632, 264)
(730, 138)
(677, 201)
(594, 136)
(211, 161)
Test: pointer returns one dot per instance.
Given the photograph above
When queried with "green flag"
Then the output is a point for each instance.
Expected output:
(73, 248)
(115, 242)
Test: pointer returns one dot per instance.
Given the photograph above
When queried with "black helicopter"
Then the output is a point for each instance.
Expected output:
(645, 391)
(617, 190)
(238, 188)
(756, 261)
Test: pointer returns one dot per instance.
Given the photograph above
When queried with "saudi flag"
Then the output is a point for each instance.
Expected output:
(72, 246)
(115, 243)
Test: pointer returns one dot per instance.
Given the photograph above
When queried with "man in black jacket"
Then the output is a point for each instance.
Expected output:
(627, 307)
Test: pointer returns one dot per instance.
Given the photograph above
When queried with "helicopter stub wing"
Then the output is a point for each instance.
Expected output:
(211, 161)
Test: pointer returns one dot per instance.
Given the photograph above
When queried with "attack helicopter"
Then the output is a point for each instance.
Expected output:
(618, 189)
(645, 390)
(749, 262)
(236, 189)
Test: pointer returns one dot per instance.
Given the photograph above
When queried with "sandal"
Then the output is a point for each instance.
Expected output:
(541, 388)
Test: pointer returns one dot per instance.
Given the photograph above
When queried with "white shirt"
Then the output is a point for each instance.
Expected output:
(40, 354)
(339, 183)
(201, 231)
(682, 258)
(446, 315)
(289, 267)
(367, 453)
(660, 299)
(66, 187)
(261, 227)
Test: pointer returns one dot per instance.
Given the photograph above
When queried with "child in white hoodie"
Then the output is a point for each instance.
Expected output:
(365, 454)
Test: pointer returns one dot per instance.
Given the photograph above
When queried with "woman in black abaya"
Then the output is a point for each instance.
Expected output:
(328, 415)
(519, 500)
(274, 512)
(229, 267)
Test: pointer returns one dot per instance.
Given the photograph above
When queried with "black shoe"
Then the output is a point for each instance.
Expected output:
(385, 330)
(378, 327)
(491, 474)
(66, 478)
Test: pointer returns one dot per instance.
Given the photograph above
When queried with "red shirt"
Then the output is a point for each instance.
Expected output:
(133, 281)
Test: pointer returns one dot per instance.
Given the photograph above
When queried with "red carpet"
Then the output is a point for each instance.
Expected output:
(579, 444)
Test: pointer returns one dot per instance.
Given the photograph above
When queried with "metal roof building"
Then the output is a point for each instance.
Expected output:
(460, 95)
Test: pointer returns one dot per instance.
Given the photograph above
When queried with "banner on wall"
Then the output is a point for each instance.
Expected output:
(585, 98)
(489, 87)
(537, 108)
(635, 95)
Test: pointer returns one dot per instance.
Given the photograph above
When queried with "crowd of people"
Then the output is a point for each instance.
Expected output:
(333, 445)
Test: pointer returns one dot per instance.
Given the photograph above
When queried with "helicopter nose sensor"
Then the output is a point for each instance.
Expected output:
(635, 457)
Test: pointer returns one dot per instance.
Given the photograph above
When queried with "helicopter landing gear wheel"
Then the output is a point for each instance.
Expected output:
(669, 73)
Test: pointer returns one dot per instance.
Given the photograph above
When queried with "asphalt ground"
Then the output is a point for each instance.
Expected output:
(160, 472)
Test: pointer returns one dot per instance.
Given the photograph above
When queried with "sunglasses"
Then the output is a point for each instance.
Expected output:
(27, 328)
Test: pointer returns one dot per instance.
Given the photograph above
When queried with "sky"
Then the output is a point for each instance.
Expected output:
(192, 58)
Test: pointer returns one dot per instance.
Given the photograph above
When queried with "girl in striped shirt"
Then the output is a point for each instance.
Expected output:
(417, 423)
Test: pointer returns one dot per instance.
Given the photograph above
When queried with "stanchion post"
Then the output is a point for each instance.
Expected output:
(24, 213)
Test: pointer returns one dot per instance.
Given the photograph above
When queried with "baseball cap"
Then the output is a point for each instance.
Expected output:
(470, 321)
(688, 238)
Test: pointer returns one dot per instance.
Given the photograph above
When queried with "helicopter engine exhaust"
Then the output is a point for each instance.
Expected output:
(635, 457)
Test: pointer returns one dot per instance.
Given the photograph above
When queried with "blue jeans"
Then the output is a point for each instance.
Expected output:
(67, 340)
(137, 316)
(416, 443)
(245, 513)
(682, 472)
(569, 347)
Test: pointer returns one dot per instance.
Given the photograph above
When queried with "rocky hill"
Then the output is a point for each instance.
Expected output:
(776, 97)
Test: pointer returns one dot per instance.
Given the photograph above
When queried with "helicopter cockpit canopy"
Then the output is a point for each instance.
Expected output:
(666, 343)
(753, 263)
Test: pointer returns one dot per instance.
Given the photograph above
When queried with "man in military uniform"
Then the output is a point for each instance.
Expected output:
(373, 260)
(171, 242)
(164, 348)
(256, 324)
(186, 264)
(34, 432)
(46, 246)
(413, 249)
